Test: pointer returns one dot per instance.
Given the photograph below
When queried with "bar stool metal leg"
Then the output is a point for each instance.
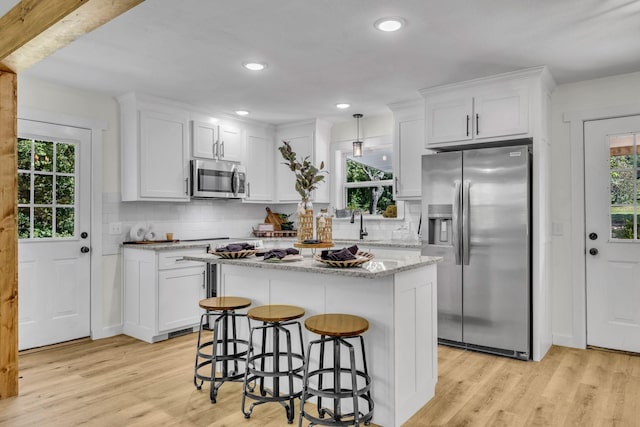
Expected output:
(257, 369)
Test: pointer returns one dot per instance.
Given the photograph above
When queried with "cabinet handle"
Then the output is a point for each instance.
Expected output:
(477, 123)
(204, 280)
(222, 149)
(396, 179)
(248, 189)
(215, 149)
(186, 185)
(467, 125)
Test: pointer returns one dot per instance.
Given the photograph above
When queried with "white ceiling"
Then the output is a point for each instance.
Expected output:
(321, 52)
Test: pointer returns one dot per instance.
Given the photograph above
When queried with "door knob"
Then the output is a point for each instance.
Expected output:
(593, 251)
(84, 249)
(593, 236)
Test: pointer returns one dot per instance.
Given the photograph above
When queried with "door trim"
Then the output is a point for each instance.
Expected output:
(578, 260)
(98, 329)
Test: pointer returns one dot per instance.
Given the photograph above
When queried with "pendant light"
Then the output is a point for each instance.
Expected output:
(357, 144)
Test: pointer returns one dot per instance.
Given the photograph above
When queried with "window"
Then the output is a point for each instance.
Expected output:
(366, 182)
(46, 189)
(624, 186)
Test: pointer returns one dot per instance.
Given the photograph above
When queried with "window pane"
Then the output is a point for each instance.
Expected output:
(621, 151)
(622, 191)
(359, 172)
(42, 222)
(43, 189)
(43, 156)
(622, 222)
(64, 222)
(24, 188)
(24, 222)
(370, 199)
(65, 158)
(65, 190)
(24, 154)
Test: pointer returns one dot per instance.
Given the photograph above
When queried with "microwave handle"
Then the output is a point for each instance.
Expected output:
(235, 182)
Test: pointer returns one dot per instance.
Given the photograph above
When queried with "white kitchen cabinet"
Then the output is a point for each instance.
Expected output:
(161, 292)
(480, 111)
(231, 144)
(311, 138)
(408, 148)
(154, 150)
(219, 142)
(260, 161)
(204, 139)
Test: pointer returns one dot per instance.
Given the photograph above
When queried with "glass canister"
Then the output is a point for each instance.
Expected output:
(324, 227)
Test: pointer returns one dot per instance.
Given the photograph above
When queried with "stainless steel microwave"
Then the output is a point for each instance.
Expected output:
(213, 179)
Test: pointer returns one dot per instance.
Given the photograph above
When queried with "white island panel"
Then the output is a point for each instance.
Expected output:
(398, 299)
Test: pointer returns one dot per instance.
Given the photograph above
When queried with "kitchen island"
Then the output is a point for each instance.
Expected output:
(397, 295)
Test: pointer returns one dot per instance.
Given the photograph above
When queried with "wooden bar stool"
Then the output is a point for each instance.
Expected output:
(222, 350)
(274, 364)
(336, 329)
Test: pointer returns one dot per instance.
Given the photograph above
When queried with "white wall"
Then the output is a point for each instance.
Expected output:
(587, 95)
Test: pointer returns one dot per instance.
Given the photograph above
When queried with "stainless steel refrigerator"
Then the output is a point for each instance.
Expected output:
(478, 217)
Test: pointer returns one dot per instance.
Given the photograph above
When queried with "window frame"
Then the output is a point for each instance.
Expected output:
(340, 151)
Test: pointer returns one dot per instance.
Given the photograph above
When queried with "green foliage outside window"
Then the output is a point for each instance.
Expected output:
(46, 189)
(363, 198)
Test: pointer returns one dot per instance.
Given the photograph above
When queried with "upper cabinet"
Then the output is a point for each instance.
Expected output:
(479, 111)
(408, 148)
(312, 139)
(154, 150)
(259, 158)
(217, 141)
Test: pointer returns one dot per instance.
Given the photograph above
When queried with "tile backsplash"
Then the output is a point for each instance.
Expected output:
(222, 218)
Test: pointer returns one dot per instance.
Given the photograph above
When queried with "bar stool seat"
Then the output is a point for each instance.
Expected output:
(274, 364)
(221, 350)
(337, 329)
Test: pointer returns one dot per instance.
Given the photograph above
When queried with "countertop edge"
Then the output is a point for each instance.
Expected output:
(311, 266)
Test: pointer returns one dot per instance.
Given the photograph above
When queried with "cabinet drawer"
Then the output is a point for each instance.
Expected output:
(172, 258)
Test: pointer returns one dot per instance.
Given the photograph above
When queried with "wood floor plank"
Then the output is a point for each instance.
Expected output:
(121, 381)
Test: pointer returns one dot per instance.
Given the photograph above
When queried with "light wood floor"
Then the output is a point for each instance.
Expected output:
(121, 381)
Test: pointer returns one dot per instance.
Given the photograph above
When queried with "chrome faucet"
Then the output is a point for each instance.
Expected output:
(363, 231)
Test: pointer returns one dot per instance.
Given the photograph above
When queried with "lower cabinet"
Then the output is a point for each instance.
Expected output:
(161, 292)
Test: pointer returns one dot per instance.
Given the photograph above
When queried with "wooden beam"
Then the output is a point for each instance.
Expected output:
(8, 236)
(34, 29)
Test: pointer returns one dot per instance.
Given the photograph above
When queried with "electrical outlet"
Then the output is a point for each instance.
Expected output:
(115, 228)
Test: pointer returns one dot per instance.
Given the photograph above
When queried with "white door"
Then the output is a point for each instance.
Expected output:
(612, 205)
(54, 184)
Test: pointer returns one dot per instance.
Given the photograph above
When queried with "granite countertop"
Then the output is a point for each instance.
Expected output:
(161, 246)
(377, 267)
(186, 244)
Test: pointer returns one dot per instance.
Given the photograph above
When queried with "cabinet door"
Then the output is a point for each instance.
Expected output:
(204, 138)
(163, 156)
(408, 151)
(448, 119)
(231, 147)
(501, 113)
(179, 291)
(302, 145)
(259, 160)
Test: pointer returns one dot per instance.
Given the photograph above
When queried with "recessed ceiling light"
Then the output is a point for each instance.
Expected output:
(254, 66)
(343, 105)
(389, 24)
(242, 112)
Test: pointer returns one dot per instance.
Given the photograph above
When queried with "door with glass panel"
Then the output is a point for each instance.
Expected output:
(54, 178)
(612, 222)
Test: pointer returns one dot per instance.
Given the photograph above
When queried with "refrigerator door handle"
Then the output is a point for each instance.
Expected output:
(465, 223)
(455, 219)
